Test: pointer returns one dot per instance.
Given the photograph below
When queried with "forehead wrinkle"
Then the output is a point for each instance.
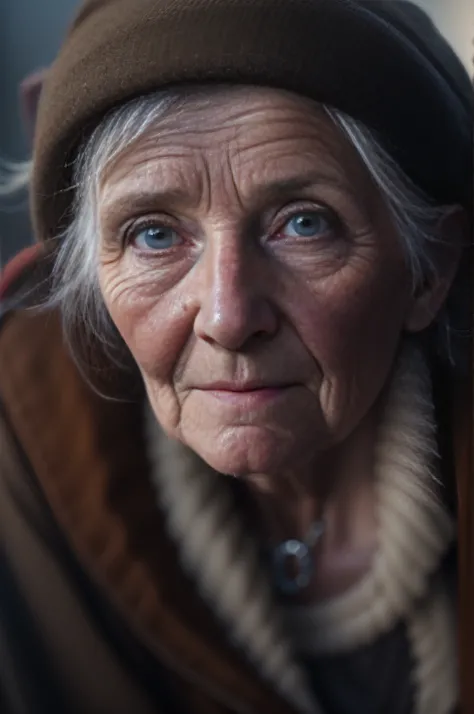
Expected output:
(236, 158)
(328, 155)
(162, 176)
(156, 146)
(182, 171)
(234, 106)
(137, 155)
(282, 168)
(187, 121)
(329, 146)
(179, 132)
(283, 172)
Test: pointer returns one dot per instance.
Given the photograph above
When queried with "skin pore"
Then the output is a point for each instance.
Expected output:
(253, 271)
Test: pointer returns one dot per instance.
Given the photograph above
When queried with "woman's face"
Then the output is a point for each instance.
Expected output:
(251, 268)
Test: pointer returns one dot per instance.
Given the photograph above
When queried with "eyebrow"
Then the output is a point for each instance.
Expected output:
(144, 199)
(152, 199)
(292, 185)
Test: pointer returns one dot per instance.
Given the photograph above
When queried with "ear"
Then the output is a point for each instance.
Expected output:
(452, 232)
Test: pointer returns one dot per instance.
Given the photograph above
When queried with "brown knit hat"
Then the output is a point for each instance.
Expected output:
(381, 61)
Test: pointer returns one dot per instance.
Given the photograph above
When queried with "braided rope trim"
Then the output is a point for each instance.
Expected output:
(430, 629)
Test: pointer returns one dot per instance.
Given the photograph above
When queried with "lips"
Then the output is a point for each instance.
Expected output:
(242, 387)
(244, 396)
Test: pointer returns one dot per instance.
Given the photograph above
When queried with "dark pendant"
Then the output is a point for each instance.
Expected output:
(299, 553)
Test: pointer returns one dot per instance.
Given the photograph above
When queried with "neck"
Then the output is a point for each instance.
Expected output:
(337, 487)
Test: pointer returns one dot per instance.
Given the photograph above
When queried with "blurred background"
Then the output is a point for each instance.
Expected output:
(30, 34)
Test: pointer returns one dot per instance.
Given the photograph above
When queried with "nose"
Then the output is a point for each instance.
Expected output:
(236, 303)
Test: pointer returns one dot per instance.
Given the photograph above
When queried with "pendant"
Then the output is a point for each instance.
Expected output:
(292, 550)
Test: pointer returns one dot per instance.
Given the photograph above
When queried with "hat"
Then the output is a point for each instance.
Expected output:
(29, 94)
(381, 61)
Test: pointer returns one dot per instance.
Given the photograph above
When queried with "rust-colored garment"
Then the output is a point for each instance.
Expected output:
(111, 622)
(97, 601)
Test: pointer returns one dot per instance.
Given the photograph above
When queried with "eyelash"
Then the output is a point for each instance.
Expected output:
(291, 211)
(132, 230)
(284, 216)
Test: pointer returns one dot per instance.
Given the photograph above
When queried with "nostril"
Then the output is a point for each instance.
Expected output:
(263, 335)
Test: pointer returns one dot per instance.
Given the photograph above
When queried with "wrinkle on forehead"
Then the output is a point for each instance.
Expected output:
(236, 143)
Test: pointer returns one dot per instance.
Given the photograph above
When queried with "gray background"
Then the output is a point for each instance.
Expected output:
(30, 33)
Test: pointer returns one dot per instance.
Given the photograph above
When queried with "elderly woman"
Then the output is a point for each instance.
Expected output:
(230, 434)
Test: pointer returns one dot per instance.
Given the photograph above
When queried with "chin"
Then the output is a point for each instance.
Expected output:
(245, 450)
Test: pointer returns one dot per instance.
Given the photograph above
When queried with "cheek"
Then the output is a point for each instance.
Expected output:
(352, 325)
(150, 314)
(361, 318)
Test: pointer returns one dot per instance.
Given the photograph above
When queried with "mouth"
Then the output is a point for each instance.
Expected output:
(249, 394)
(243, 387)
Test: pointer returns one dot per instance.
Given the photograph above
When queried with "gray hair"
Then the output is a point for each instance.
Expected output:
(75, 284)
(14, 176)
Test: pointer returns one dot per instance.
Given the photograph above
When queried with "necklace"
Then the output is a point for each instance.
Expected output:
(300, 552)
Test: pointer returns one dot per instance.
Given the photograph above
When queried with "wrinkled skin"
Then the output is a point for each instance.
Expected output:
(243, 246)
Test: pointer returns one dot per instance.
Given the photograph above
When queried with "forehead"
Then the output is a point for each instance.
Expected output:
(261, 134)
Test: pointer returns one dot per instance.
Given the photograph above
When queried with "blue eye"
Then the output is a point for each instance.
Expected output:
(306, 224)
(155, 237)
